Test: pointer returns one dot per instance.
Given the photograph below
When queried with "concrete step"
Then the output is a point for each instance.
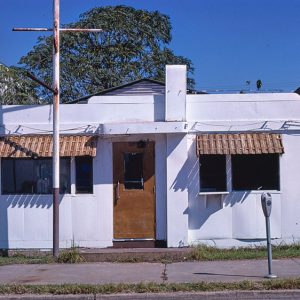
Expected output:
(115, 254)
(134, 254)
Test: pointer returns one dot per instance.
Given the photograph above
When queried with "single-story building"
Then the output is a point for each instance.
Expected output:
(148, 162)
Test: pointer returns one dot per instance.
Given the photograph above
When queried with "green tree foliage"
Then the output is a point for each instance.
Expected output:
(16, 87)
(133, 45)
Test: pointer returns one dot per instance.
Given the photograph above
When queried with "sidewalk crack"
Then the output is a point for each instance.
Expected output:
(164, 274)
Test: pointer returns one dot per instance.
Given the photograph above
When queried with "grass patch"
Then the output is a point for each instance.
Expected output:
(197, 253)
(206, 253)
(70, 256)
(22, 259)
(276, 284)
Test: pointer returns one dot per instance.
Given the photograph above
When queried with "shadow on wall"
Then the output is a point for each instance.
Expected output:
(201, 207)
(235, 197)
(188, 175)
(8, 202)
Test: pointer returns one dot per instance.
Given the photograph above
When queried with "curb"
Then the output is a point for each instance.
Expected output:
(227, 295)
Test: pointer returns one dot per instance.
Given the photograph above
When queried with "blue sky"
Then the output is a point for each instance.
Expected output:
(229, 41)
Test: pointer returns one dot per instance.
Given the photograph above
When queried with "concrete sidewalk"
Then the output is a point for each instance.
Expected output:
(104, 273)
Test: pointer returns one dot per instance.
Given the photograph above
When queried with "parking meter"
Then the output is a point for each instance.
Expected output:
(266, 203)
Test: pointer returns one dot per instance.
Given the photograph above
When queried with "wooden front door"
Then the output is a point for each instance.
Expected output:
(134, 191)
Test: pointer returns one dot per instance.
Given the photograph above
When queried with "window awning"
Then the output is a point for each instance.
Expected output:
(242, 143)
(41, 146)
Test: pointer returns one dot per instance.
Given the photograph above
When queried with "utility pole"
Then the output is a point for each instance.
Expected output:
(56, 93)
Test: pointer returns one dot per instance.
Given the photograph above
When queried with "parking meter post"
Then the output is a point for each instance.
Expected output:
(266, 202)
(269, 246)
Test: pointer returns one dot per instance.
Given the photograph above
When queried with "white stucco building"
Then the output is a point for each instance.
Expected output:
(148, 162)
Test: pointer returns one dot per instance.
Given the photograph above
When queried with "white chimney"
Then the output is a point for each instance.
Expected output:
(175, 93)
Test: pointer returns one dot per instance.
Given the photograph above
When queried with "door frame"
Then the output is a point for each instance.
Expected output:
(136, 141)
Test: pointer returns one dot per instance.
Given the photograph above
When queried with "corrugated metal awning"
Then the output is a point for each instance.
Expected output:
(41, 146)
(242, 143)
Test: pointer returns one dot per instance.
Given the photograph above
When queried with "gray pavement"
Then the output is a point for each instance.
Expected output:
(104, 273)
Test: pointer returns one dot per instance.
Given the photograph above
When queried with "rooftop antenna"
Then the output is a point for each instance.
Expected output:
(55, 89)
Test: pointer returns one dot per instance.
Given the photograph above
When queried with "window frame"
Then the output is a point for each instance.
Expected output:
(278, 174)
(33, 159)
(229, 177)
(135, 183)
(206, 190)
(76, 192)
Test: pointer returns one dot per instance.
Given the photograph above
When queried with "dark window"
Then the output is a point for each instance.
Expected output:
(212, 173)
(65, 177)
(133, 171)
(254, 172)
(33, 176)
(84, 174)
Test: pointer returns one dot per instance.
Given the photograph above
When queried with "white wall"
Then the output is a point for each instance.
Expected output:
(227, 219)
(177, 190)
(120, 109)
(175, 101)
(233, 107)
(101, 109)
(86, 219)
(133, 114)
(290, 182)
(182, 215)
(161, 183)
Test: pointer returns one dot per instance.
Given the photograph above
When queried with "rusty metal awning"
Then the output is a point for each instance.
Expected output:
(242, 143)
(41, 145)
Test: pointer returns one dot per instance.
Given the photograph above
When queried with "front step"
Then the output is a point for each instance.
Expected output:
(135, 254)
(140, 244)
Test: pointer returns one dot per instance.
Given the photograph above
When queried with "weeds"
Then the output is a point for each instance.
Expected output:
(22, 259)
(70, 256)
(197, 253)
(277, 284)
(206, 253)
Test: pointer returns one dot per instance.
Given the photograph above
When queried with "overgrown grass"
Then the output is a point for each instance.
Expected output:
(22, 259)
(278, 284)
(197, 253)
(70, 256)
(205, 253)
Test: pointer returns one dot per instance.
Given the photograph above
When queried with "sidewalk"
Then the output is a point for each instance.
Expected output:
(109, 273)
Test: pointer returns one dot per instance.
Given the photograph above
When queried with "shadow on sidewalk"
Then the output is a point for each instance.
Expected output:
(229, 275)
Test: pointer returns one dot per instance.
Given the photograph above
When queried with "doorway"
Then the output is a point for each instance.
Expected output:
(134, 190)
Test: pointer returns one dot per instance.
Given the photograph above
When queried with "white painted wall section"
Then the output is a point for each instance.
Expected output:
(177, 190)
(175, 93)
(209, 218)
(229, 217)
(160, 184)
(243, 107)
(248, 220)
(290, 180)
